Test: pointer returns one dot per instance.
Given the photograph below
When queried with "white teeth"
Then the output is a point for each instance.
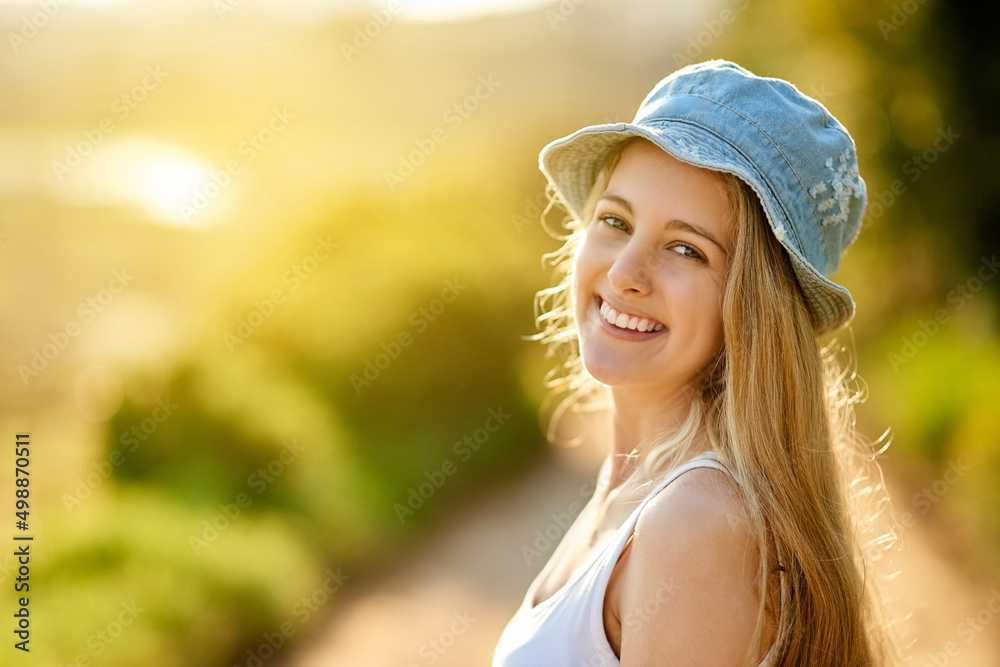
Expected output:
(632, 322)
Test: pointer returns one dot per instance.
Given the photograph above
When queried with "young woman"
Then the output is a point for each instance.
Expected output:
(732, 522)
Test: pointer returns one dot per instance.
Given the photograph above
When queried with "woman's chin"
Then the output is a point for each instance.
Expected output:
(614, 374)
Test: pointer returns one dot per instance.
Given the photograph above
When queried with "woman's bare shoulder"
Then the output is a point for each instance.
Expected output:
(688, 595)
(699, 496)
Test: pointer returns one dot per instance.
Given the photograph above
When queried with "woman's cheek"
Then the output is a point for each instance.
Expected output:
(585, 262)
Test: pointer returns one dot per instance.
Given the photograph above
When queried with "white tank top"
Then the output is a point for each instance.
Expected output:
(567, 628)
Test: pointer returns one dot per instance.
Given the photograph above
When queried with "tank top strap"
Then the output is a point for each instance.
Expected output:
(616, 543)
(708, 459)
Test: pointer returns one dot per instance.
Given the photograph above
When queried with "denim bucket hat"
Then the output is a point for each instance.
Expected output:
(793, 153)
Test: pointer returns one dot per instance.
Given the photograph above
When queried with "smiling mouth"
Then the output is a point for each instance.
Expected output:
(628, 322)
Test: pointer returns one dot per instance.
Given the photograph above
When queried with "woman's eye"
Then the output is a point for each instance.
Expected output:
(682, 249)
(614, 222)
(687, 251)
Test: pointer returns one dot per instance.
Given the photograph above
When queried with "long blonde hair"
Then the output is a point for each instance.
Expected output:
(778, 409)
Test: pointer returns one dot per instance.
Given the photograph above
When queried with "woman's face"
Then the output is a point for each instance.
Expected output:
(655, 252)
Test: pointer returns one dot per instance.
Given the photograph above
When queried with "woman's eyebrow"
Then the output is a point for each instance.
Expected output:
(694, 229)
(621, 201)
(670, 224)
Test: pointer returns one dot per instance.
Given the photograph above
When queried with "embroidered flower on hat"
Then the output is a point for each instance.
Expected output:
(845, 182)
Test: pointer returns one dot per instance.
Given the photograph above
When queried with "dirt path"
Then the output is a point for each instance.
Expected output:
(448, 607)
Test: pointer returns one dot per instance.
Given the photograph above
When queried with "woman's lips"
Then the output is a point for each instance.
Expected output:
(624, 334)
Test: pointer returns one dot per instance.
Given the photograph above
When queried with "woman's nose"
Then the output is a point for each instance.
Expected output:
(633, 268)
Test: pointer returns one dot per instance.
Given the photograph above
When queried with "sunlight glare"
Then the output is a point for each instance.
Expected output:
(166, 185)
(175, 186)
(462, 10)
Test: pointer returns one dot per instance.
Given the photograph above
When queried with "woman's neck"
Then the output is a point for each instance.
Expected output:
(640, 421)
